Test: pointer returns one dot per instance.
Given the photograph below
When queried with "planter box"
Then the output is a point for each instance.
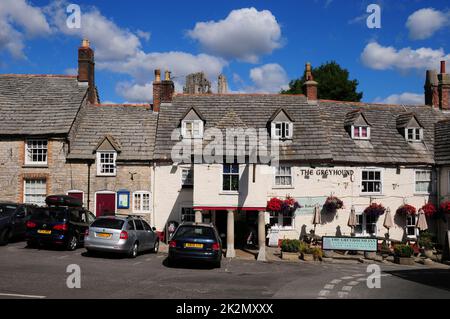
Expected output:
(307, 257)
(404, 260)
(289, 256)
(370, 255)
(428, 253)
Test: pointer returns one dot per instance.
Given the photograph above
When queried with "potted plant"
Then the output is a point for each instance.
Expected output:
(426, 244)
(290, 249)
(406, 210)
(403, 254)
(274, 205)
(429, 209)
(332, 204)
(445, 207)
(375, 209)
(310, 253)
(385, 249)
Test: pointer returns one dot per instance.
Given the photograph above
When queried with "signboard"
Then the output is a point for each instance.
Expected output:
(308, 203)
(123, 199)
(349, 243)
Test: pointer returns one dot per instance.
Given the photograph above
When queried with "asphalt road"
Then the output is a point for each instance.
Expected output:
(33, 273)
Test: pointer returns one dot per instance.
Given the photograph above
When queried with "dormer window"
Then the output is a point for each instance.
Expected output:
(414, 134)
(282, 130)
(106, 163)
(192, 129)
(360, 132)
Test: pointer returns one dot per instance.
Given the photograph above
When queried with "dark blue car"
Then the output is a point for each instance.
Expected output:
(12, 220)
(195, 242)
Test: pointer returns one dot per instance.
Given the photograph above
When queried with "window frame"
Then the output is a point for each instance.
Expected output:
(414, 139)
(24, 198)
(282, 136)
(238, 174)
(280, 221)
(363, 225)
(182, 214)
(360, 137)
(141, 210)
(413, 225)
(184, 178)
(184, 131)
(29, 161)
(430, 181)
(381, 181)
(275, 175)
(100, 165)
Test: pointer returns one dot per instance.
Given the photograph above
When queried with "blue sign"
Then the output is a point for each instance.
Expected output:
(349, 243)
(123, 199)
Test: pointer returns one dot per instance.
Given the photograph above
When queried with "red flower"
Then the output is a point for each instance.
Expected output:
(429, 209)
(406, 210)
(274, 204)
(375, 210)
(445, 207)
(332, 204)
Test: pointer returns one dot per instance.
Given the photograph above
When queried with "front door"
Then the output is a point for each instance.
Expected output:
(105, 204)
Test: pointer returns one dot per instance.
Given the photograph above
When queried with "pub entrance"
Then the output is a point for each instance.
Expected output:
(245, 228)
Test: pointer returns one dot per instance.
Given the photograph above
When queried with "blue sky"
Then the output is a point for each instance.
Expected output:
(259, 45)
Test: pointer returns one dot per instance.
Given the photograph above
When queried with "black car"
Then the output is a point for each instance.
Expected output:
(12, 221)
(195, 242)
(62, 222)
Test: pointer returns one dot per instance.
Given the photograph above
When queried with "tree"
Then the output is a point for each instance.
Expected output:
(333, 84)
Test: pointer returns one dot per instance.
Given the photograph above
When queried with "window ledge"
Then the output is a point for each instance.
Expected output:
(35, 166)
(228, 193)
(283, 187)
(106, 175)
(370, 194)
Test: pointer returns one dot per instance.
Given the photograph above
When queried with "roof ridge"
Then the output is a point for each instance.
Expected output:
(40, 75)
(238, 94)
(144, 105)
(371, 104)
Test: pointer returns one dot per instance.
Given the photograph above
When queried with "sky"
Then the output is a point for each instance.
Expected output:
(259, 45)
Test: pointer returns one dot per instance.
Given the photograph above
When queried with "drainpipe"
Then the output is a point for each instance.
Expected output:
(89, 187)
(153, 192)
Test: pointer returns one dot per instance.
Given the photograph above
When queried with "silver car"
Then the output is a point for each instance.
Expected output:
(122, 234)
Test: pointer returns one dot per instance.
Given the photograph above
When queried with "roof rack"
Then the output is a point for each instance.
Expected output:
(130, 215)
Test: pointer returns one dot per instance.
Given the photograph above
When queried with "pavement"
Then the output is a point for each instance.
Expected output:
(43, 273)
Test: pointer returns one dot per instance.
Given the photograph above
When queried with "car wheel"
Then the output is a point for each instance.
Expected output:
(156, 247)
(72, 243)
(134, 251)
(4, 237)
(170, 262)
(217, 264)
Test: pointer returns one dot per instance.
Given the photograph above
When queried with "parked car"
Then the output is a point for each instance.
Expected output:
(13, 218)
(121, 234)
(195, 241)
(62, 222)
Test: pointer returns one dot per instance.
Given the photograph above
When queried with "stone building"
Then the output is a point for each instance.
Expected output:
(197, 83)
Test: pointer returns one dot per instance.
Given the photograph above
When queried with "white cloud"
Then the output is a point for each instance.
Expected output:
(423, 23)
(379, 57)
(134, 92)
(406, 98)
(269, 78)
(245, 34)
(19, 20)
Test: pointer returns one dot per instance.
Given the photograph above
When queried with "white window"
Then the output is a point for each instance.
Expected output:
(141, 202)
(36, 152)
(283, 176)
(411, 229)
(230, 177)
(192, 129)
(360, 132)
(365, 225)
(423, 181)
(282, 130)
(371, 182)
(187, 177)
(413, 134)
(106, 163)
(187, 214)
(282, 219)
(35, 191)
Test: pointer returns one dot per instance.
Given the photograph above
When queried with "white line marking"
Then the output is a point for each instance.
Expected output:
(137, 263)
(62, 257)
(362, 279)
(324, 293)
(347, 288)
(353, 283)
(336, 281)
(329, 287)
(347, 278)
(342, 294)
(358, 275)
(22, 296)
(321, 298)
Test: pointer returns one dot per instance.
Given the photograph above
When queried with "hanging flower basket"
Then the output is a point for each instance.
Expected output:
(445, 207)
(274, 205)
(429, 209)
(406, 210)
(286, 206)
(332, 204)
(375, 210)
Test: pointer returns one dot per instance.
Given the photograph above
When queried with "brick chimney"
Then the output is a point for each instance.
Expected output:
(86, 69)
(431, 89)
(444, 88)
(310, 86)
(162, 90)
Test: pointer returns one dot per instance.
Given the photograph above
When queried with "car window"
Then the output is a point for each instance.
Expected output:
(75, 216)
(49, 214)
(91, 217)
(7, 209)
(138, 224)
(130, 225)
(146, 225)
(110, 223)
(194, 231)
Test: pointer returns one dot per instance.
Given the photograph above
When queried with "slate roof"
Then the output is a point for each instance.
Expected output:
(443, 142)
(352, 116)
(319, 130)
(131, 127)
(404, 119)
(39, 104)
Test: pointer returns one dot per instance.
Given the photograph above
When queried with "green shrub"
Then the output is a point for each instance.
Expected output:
(310, 250)
(403, 251)
(290, 245)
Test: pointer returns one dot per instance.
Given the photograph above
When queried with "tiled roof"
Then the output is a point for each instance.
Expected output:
(319, 130)
(443, 143)
(404, 119)
(39, 104)
(133, 128)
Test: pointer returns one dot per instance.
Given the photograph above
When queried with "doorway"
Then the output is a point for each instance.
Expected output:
(105, 204)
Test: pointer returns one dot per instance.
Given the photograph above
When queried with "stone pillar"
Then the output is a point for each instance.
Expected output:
(261, 236)
(230, 234)
(213, 217)
(198, 216)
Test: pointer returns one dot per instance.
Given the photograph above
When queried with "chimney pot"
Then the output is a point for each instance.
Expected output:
(85, 43)
(167, 75)
(162, 90)
(157, 75)
(443, 67)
